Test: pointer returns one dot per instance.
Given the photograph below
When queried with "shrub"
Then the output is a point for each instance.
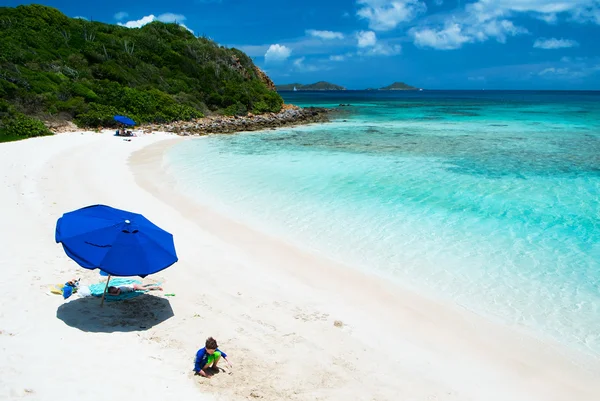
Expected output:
(19, 126)
(74, 106)
(260, 107)
(180, 112)
(79, 89)
(50, 63)
(98, 115)
(236, 109)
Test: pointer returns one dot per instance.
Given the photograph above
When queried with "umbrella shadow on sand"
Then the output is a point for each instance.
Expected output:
(136, 314)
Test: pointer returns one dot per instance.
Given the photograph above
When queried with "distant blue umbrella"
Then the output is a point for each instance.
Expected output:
(124, 120)
(115, 241)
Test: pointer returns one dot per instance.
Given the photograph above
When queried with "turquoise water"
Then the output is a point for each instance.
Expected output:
(488, 199)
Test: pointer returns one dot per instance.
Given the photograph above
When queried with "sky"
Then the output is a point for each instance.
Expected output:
(432, 44)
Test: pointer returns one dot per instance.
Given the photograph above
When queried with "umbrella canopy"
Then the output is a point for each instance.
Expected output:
(124, 120)
(118, 242)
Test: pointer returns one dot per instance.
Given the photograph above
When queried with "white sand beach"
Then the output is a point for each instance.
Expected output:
(296, 326)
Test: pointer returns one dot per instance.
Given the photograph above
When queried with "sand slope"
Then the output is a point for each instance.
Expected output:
(271, 306)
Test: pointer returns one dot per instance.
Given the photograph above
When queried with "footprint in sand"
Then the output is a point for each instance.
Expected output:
(21, 392)
(313, 317)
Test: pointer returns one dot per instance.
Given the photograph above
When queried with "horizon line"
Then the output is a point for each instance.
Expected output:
(430, 90)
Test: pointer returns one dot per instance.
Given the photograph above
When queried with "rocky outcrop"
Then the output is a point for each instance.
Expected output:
(264, 78)
(236, 65)
(288, 116)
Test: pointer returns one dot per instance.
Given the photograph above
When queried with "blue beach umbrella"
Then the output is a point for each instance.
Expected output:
(124, 120)
(117, 242)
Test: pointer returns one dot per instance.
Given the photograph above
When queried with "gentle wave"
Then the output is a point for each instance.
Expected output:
(490, 207)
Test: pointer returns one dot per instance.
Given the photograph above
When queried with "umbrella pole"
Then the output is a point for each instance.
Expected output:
(104, 293)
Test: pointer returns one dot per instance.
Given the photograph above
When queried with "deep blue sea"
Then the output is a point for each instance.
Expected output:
(488, 199)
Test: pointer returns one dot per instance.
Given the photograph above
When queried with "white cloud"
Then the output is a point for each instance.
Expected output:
(366, 38)
(302, 46)
(454, 35)
(540, 6)
(325, 34)
(548, 18)
(547, 10)
(381, 49)
(566, 73)
(439, 2)
(476, 24)
(140, 22)
(167, 17)
(570, 69)
(497, 29)
(121, 15)
(368, 45)
(482, 20)
(591, 14)
(337, 58)
(554, 43)
(170, 17)
(385, 15)
(277, 52)
(449, 38)
(299, 62)
(554, 71)
(80, 17)
(300, 66)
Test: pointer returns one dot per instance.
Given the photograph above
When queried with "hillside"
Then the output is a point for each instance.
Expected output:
(52, 66)
(317, 86)
(398, 86)
(323, 86)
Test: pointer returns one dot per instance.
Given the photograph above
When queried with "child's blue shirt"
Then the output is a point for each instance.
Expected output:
(202, 358)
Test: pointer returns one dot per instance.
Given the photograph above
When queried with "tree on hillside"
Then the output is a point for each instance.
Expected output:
(52, 65)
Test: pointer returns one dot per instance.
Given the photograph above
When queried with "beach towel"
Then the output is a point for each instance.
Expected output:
(98, 289)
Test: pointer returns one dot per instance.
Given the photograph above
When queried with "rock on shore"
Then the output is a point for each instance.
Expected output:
(288, 116)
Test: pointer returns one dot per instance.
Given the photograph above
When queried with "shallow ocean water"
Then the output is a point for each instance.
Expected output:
(488, 199)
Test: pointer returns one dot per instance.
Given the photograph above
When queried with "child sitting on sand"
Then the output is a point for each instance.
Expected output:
(208, 358)
(132, 287)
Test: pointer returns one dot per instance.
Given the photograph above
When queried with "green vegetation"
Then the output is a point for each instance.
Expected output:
(323, 86)
(398, 86)
(318, 86)
(15, 125)
(55, 67)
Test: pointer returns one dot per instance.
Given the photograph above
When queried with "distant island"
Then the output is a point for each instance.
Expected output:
(317, 86)
(328, 86)
(398, 86)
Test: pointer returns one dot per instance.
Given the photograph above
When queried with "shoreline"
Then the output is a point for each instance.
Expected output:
(283, 233)
(296, 326)
(349, 281)
(289, 116)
